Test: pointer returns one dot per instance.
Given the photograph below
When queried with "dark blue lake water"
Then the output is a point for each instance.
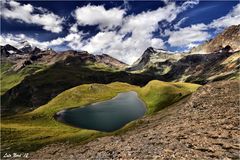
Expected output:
(105, 116)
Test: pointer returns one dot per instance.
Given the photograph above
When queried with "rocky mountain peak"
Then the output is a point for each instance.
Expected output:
(147, 54)
(8, 50)
(152, 56)
(149, 50)
(26, 47)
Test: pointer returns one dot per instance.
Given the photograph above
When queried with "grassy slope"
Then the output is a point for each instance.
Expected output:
(11, 78)
(158, 94)
(30, 131)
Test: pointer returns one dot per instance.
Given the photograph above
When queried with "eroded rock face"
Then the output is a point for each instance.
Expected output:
(204, 68)
(229, 37)
(21, 64)
(49, 57)
(112, 62)
(202, 126)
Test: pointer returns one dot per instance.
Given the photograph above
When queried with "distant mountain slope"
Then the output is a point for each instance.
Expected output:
(30, 79)
(229, 37)
(16, 64)
(204, 68)
(33, 55)
(154, 58)
(110, 61)
(39, 88)
(10, 78)
(197, 68)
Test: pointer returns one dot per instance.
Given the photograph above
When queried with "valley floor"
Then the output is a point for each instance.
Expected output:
(202, 126)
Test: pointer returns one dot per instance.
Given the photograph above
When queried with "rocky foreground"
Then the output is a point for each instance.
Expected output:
(202, 126)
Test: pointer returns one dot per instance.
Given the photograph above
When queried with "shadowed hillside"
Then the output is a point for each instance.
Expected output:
(39, 88)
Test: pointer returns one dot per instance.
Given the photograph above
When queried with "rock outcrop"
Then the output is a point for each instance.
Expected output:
(205, 68)
(229, 37)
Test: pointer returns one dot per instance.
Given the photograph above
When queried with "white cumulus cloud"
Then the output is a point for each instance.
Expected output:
(98, 15)
(26, 13)
(188, 35)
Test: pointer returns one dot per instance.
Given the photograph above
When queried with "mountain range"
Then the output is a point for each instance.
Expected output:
(31, 77)
(215, 59)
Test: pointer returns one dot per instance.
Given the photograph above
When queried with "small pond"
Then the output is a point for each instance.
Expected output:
(105, 116)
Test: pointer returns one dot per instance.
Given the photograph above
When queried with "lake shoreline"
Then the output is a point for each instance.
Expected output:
(124, 98)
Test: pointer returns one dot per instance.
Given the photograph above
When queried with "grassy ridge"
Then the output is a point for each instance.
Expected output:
(10, 78)
(32, 130)
(158, 94)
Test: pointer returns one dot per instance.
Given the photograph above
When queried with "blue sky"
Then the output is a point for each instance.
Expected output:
(122, 29)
